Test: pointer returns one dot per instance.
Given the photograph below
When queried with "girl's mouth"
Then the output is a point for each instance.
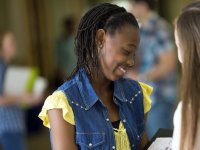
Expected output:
(122, 69)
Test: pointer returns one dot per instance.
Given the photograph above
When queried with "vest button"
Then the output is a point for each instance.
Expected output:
(124, 120)
(107, 119)
(90, 144)
(113, 147)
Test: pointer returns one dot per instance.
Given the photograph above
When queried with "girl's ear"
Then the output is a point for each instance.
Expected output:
(100, 38)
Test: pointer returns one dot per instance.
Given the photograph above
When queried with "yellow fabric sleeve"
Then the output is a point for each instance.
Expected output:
(147, 90)
(57, 100)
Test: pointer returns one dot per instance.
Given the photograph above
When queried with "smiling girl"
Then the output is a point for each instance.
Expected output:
(97, 108)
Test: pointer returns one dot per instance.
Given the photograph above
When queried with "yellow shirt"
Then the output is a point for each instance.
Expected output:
(58, 100)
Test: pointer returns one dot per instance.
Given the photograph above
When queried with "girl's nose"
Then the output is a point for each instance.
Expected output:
(130, 62)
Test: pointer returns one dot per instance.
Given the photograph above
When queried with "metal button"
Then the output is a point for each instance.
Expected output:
(113, 147)
(133, 145)
(107, 119)
(124, 120)
(90, 144)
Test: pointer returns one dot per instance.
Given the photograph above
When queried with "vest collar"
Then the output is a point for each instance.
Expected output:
(123, 90)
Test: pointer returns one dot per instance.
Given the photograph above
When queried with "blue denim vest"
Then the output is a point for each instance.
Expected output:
(93, 127)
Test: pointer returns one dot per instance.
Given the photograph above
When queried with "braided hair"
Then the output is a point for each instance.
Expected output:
(105, 16)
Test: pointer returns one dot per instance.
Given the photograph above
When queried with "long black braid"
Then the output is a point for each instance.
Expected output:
(105, 16)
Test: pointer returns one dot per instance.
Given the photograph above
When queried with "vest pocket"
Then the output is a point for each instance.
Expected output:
(90, 140)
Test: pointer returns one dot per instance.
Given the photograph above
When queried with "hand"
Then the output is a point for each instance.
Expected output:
(31, 99)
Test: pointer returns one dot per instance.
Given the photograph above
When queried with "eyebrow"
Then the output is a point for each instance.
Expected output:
(132, 45)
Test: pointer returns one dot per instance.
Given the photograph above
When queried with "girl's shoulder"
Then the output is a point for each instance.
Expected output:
(57, 100)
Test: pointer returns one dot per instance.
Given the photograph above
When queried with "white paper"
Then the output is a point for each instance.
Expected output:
(15, 80)
(161, 144)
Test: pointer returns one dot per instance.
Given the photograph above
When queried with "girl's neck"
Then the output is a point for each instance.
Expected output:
(101, 84)
(104, 89)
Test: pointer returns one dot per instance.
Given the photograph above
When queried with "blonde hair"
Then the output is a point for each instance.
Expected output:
(188, 31)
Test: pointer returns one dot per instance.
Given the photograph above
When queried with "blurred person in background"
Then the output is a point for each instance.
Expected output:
(12, 121)
(186, 134)
(65, 57)
(156, 64)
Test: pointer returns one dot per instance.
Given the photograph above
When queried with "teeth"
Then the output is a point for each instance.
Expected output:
(122, 69)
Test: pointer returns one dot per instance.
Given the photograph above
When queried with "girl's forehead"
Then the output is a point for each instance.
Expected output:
(125, 37)
(127, 32)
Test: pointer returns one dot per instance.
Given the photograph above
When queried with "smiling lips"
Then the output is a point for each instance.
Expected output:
(122, 69)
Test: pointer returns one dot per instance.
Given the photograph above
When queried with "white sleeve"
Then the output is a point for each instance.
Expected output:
(177, 128)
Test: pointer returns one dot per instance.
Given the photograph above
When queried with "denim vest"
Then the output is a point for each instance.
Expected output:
(93, 127)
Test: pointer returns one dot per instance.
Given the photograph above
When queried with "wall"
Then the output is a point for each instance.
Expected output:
(37, 24)
(169, 9)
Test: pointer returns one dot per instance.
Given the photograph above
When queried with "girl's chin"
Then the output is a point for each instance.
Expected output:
(117, 76)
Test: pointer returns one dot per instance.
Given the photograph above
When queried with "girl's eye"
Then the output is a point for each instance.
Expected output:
(126, 52)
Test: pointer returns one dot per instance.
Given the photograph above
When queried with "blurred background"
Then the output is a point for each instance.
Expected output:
(40, 28)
